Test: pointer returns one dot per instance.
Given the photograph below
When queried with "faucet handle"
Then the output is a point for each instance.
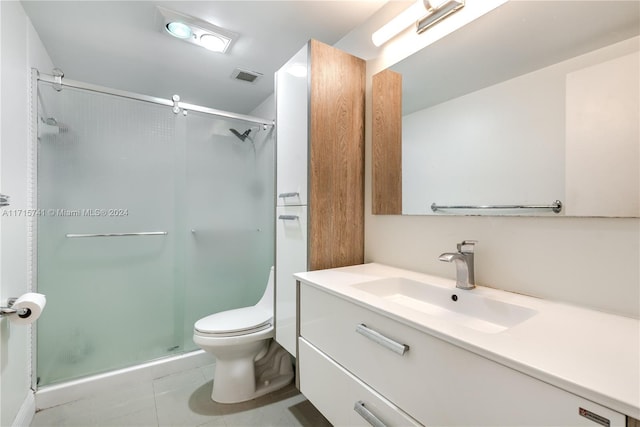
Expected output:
(467, 246)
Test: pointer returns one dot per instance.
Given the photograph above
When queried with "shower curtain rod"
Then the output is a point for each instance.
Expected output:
(152, 99)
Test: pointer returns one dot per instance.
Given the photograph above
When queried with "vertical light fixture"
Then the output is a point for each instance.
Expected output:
(438, 14)
(422, 13)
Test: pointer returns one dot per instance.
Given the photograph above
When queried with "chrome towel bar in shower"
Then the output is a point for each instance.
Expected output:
(555, 207)
(143, 233)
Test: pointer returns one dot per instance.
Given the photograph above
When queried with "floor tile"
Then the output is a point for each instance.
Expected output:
(208, 371)
(96, 409)
(280, 413)
(143, 418)
(182, 400)
(218, 422)
(187, 406)
(64, 415)
(190, 378)
(306, 415)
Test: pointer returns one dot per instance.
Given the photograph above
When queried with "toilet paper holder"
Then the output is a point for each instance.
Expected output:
(8, 310)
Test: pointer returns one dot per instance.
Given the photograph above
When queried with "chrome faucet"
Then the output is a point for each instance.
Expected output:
(463, 259)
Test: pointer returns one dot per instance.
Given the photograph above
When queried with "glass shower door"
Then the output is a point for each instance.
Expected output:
(107, 165)
(229, 216)
(149, 220)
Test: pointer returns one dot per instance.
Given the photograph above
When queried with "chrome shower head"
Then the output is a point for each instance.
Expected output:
(242, 136)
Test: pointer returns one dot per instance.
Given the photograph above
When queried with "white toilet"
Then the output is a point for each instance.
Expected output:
(249, 363)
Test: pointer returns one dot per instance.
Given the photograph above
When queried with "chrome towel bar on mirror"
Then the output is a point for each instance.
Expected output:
(555, 207)
(143, 233)
(378, 338)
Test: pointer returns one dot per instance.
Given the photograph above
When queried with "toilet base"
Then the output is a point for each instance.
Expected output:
(243, 379)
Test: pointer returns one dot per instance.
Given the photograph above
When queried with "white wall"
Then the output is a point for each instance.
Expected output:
(266, 109)
(603, 138)
(593, 262)
(21, 49)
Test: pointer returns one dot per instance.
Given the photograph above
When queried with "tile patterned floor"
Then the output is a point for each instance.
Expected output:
(182, 400)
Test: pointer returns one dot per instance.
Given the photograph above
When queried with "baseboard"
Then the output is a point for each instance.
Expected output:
(26, 412)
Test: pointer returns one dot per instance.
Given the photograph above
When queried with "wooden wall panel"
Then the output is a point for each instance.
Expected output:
(336, 164)
(387, 143)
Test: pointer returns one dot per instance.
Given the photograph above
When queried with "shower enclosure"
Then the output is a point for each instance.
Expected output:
(150, 215)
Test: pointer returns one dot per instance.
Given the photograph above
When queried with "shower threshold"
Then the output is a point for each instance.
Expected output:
(58, 394)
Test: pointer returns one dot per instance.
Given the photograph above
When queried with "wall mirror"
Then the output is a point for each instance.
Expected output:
(533, 103)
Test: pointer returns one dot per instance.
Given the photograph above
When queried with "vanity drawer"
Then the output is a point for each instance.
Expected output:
(435, 382)
(343, 399)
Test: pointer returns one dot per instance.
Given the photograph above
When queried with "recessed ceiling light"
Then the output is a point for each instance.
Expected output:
(196, 31)
(179, 30)
(213, 42)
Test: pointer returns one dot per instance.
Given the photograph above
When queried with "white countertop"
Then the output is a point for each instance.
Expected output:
(592, 354)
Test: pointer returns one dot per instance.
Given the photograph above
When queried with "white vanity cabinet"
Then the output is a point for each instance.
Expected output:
(427, 379)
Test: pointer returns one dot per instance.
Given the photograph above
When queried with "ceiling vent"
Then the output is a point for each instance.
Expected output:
(246, 75)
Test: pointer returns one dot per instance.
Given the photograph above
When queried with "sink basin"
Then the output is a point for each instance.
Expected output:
(465, 308)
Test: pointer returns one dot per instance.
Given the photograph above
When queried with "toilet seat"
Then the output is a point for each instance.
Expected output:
(240, 321)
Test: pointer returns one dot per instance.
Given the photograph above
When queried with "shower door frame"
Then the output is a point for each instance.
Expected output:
(174, 102)
(59, 82)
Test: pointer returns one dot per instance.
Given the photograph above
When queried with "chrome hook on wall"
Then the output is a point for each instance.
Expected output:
(176, 104)
(58, 74)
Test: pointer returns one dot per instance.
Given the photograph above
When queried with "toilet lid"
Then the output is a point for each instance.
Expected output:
(238, 320)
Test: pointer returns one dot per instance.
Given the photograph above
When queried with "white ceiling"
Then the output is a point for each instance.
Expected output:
(123, 45)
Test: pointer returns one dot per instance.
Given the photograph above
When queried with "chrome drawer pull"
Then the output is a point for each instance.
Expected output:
(377, 337)
(285, 195)
(289, 217)
(367, 414)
